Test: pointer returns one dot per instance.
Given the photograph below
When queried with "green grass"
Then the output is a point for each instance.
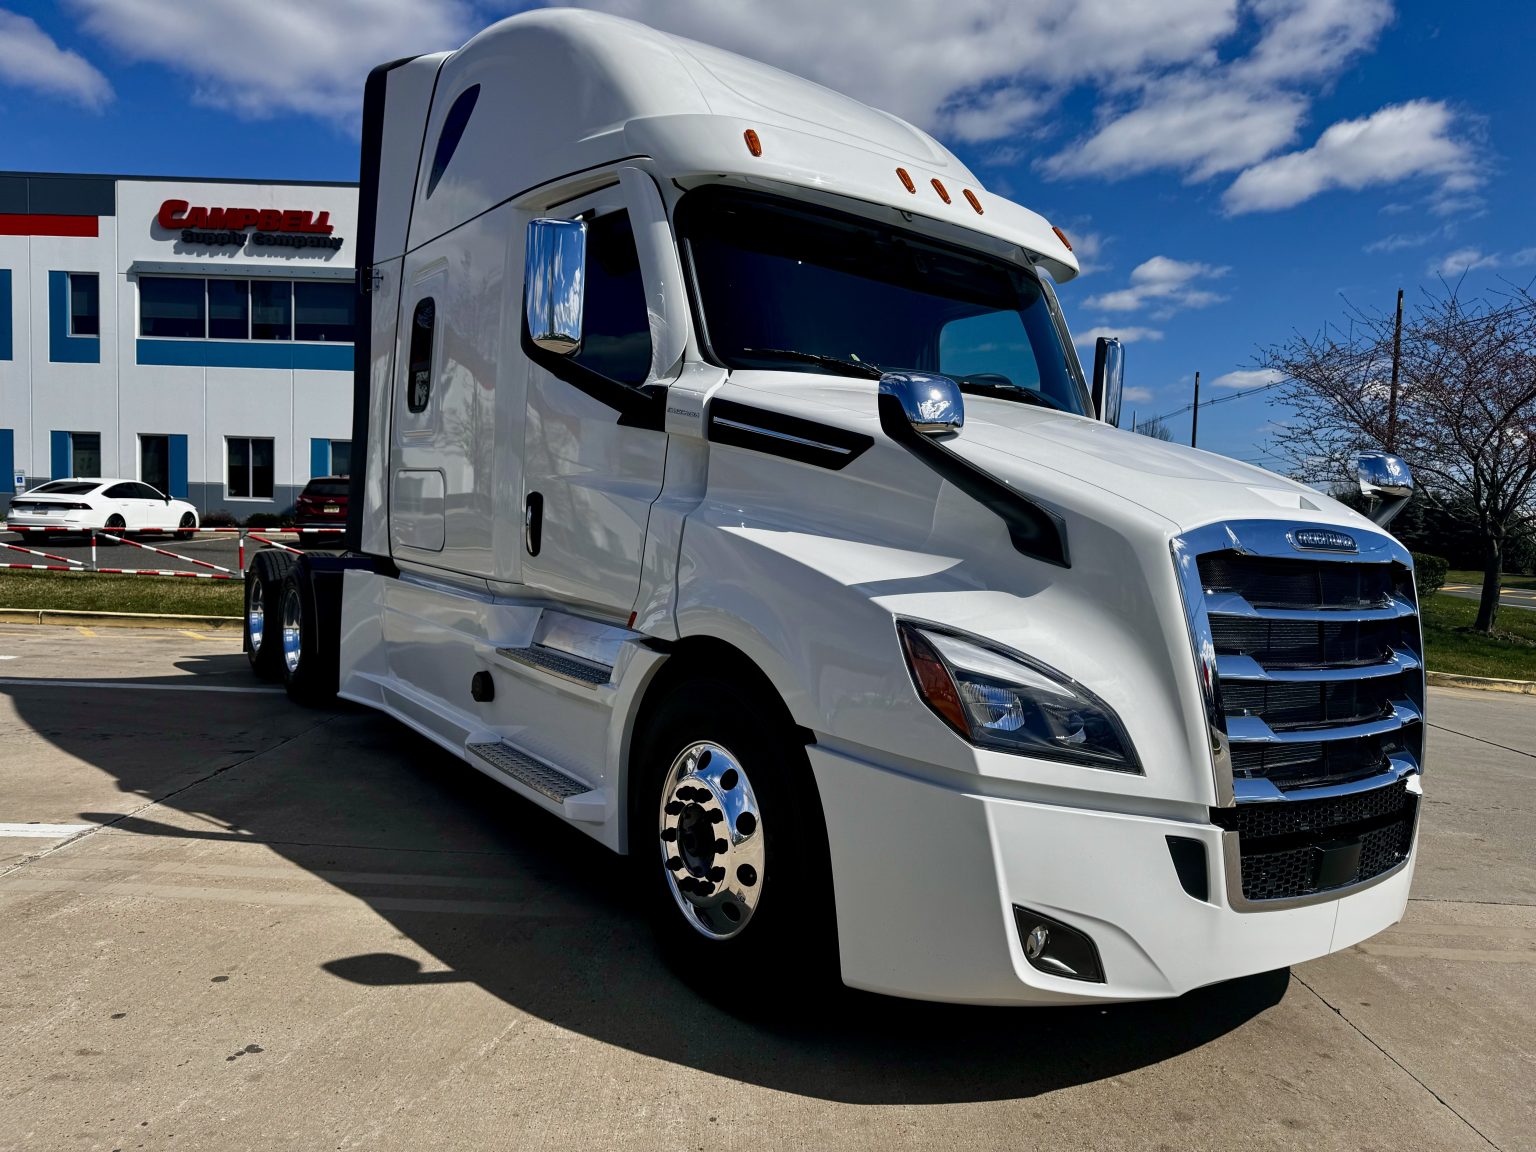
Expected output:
(1461, 576)
(1451, 646)
(91, 592)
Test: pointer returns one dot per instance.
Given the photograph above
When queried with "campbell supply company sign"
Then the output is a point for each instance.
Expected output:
(273, 227)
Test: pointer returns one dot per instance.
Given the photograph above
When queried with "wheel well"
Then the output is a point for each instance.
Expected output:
(719, 660)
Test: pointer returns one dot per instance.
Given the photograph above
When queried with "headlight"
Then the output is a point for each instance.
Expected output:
(999, 699)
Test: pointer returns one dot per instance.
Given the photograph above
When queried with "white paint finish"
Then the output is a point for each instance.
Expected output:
(416, 510)
(375, 460)
(407, 96)
(44, 831)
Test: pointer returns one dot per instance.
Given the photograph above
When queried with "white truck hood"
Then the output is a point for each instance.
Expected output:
(1018, 442)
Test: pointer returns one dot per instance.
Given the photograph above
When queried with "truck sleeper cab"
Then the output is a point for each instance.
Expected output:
(732, 490)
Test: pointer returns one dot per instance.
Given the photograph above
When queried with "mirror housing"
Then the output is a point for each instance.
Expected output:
(554, 272)
(1385, 482)
(1108, 379)
(931, 403)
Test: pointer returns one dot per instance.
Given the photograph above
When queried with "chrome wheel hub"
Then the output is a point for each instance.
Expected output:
(293, 646)
(255, 615)
(712, 840)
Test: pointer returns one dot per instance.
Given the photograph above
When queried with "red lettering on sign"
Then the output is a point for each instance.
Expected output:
(269, 220)
(170, 214)
(215, 218)
(322, 224)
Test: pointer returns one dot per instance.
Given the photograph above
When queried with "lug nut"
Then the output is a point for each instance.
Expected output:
(747, 875)
(674, 862)
(721, 846)
(673, 808)
(703, 887)
(715, 816)
(717, 874)
(669, 834)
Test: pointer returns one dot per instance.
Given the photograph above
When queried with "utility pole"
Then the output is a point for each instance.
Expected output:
(1397, 355)
(1194, 420)
(1133, 419)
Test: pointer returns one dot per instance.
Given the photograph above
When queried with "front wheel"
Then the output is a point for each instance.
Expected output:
(729, 838)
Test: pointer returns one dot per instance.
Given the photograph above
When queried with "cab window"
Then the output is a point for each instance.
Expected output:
(616, 331)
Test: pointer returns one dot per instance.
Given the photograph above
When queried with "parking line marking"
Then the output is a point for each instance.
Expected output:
(255, 689)
(194, 635)
(85, 631)
(47, 831)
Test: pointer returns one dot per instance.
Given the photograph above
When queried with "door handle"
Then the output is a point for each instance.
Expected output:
(533, 523)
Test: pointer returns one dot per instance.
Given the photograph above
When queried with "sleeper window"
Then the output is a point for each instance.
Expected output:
(616, 332)
(419, 373)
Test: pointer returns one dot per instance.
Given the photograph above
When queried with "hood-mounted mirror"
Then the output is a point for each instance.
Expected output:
(1108, 379)
(931, 403)
(1385, 482)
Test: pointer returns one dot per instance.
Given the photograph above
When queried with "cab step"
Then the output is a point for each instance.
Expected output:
(545, 779)
(576, 669)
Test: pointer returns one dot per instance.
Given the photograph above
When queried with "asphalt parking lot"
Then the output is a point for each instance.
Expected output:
(232, 922)
(217, 548)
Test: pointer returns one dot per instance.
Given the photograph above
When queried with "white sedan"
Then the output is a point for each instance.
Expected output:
(85, 502)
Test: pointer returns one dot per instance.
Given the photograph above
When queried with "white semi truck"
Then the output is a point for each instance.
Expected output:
(732, 490)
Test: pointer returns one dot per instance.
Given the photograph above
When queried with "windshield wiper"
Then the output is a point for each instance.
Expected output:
(1008, 391)
(853, 367)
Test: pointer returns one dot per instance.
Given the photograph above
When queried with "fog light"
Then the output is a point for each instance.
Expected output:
(1057, 949)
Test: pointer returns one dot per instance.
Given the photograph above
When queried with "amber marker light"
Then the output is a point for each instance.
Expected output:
(975, 203)
(907, 181)
(941, 190)
(1062, 236)
(754, 145)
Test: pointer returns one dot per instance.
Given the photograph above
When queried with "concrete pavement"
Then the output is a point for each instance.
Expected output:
(302, 929)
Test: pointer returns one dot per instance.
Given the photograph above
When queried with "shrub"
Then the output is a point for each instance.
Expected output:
(219, 518)
(263, 520)
(1428, 574)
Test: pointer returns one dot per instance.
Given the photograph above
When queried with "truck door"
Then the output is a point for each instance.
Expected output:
(594, 450)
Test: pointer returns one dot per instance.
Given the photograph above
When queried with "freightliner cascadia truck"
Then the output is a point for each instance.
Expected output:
(731, 489)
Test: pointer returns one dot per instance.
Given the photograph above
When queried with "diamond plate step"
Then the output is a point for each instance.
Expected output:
(535, 774)
(562, 664)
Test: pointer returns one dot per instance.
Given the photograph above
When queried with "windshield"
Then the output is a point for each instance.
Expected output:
(787, 286)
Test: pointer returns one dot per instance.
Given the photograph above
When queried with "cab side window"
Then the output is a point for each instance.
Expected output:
(616, 331)
(418, 380)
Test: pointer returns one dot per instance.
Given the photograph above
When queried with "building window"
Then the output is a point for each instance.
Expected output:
(85, 453)
(187, 307)
(271, 310)
(322, 310)
(250, 468)
(170, 306)
(229, 309)
(341, 457)
(84, 304)
(155, 461)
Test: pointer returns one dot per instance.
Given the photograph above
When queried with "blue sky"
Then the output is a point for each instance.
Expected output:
(1230, 170)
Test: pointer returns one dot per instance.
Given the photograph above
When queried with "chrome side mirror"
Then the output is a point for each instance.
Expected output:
(553, 275)
(931, 403)
(1385, 482)
(1108, 379)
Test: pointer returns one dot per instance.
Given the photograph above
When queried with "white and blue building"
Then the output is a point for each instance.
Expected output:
(193, 334)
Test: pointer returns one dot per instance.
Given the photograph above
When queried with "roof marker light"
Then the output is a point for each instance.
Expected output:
(1062, 236)
(941, 190)
(754, 145)
(975, 203)
(907, 180)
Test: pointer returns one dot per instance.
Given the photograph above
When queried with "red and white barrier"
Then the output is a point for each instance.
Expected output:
(216, 571)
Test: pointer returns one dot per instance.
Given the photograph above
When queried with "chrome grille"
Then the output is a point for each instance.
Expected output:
(1313, 681)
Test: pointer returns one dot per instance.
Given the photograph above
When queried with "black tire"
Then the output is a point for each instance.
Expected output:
(788, 941)
(117, 526)
(188, 521)
(263, 592)
(308, 669)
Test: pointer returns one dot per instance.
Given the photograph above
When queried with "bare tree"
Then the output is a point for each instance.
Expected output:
(1154, 428)
(1466, 408)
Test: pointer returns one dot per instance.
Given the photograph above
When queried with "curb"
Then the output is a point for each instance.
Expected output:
(1481, 683)
(115, 619)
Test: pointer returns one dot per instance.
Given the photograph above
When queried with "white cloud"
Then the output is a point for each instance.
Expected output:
(1420, 138)
(1136, 395)
(1464, 260)
(30, 58)
(1247, 378)
(1397, 241)
(1165, 283)
(277, 56)
(1130, 335)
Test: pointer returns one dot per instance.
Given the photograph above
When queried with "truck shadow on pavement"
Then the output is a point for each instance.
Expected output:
(506, 897)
